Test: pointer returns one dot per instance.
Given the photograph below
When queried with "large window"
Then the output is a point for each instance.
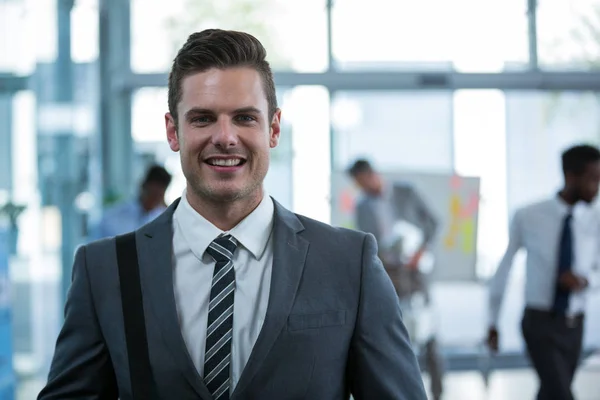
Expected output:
(27, 34)
(282, 26)
(569, 34)
(397, 130)
(470, 35)
(539, 127)
(69, 146)
(479, 145)
(512, 141)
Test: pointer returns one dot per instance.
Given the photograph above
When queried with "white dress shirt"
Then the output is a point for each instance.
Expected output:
(537, 229)
(193, 272)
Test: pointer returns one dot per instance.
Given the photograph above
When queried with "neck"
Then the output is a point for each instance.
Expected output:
(568, 196)
(222, 214)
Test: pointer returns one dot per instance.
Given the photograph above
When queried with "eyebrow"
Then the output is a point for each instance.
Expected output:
(243, 110)
(247, 110)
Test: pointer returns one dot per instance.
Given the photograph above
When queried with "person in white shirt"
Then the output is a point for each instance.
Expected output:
(562, 238)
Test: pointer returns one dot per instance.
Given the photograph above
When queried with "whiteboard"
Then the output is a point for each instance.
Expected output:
(453, 199)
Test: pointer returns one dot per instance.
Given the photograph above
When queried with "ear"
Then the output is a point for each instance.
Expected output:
(275, 130)
(172, 136)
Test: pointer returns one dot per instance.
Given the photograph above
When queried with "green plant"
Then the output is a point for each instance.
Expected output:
(12, 211)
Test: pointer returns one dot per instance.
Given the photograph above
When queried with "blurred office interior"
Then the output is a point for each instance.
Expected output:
(493, 89)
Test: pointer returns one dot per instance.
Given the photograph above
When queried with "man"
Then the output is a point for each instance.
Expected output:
(561, 236)
(381, 206)
(130, 215)
(242, 298)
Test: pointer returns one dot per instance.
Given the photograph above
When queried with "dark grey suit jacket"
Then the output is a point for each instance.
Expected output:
(333, 323)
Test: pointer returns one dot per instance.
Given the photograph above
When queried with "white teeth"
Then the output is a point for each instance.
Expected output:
(230, 162)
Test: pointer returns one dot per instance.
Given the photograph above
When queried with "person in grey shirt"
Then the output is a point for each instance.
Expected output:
(381, 205)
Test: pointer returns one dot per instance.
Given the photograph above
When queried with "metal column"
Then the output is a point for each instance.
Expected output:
(532, 33)
(6, 181)
(53, 84)
(65, 188)
(115, 101)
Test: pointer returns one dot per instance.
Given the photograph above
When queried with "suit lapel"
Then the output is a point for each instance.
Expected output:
(155, 249)
(289, 254)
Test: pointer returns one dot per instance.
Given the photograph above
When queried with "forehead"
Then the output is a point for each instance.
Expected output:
(222, 90)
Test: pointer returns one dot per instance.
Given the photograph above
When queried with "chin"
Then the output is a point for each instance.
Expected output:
(228, 194)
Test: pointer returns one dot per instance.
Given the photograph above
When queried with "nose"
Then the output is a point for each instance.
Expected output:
(224, 135)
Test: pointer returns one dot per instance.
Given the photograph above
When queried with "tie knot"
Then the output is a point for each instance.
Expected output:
(568, 217)
(222, 248)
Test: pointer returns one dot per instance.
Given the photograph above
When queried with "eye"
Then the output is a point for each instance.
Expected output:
(245, 118)
(202, 119)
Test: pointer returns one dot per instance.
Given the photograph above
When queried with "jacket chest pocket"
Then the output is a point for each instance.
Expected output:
(298, 322)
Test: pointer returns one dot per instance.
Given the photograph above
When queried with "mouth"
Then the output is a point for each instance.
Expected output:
(225, 162)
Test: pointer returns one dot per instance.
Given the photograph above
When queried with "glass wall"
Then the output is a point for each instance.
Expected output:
(469, 35)
(569, 34)
(27, 34)
(61, 89)
(157, 31)
(48, 72)
(540, 126)
(406, 130)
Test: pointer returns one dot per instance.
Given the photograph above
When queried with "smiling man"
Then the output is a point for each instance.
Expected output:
(228, 294)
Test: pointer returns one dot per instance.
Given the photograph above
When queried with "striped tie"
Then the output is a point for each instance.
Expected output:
(220, 318)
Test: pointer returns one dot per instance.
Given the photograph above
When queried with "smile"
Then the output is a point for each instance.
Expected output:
(225, 162)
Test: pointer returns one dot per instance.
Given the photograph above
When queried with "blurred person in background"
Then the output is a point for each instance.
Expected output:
(132, 214)
(380, 207)
(562, 238)
(228, 294)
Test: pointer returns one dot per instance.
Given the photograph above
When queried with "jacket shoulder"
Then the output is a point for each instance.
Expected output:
(100, 245)
(332, 236)
(101, 256)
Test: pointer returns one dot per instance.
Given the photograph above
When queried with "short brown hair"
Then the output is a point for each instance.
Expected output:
(216, 48)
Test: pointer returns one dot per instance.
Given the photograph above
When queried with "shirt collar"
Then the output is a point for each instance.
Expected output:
(252, 232)
(577, 210)
(562, 206)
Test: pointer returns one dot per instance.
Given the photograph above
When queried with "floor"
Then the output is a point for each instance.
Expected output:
(519, 384)
(512, 385)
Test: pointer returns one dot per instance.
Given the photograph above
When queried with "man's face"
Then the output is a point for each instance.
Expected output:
(224, 133)
(587, 183)
(368, 182)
